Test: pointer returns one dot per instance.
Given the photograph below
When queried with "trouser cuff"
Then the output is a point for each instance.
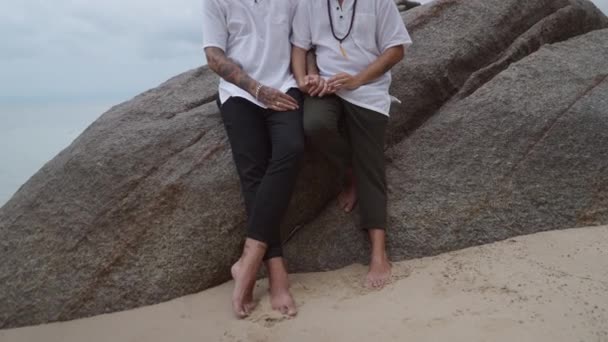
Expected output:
(274, 252)
(377, 225)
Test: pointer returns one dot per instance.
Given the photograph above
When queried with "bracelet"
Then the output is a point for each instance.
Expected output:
(257, 90)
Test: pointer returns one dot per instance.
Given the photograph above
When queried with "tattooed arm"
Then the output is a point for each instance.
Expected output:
(233, 72)
(229, 70)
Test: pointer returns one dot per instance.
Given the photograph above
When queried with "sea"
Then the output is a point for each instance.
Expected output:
(33, 133)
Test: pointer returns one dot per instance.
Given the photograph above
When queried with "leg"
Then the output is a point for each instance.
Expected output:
(246, 130)
(280, 296)
(322, 117)
(275, 190)
(366, 130)
(287, 140)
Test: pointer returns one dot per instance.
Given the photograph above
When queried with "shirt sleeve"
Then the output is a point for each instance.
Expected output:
(301, 35)
(390, 28)
(215, 28)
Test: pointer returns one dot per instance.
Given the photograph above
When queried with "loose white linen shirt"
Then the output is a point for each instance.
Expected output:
(378, 26)
(255, 34)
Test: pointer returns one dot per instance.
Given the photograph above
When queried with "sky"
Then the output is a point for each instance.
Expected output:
(80, 50)
(83, 50)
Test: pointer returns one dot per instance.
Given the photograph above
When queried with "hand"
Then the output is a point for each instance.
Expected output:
(277, 100)
(317, 86)
(344, 81)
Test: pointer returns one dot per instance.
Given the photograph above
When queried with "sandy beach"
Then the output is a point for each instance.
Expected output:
(551, 286)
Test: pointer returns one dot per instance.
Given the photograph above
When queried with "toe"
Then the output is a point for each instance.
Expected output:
(250, 306)
(284, 310)
(241, 313)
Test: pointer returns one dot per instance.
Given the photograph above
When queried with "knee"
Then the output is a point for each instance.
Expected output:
(289, 150)
(316, 125)
(296, 147)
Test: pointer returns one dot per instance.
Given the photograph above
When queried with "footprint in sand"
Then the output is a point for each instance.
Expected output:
(269, 320)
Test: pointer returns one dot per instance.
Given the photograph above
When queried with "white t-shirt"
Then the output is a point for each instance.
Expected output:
(378, 26)
(255, 34)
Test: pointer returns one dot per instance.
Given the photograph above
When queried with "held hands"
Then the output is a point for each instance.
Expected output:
(276, 100)
(316, 85)
(344, 81)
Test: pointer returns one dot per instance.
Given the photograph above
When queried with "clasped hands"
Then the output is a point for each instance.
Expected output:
(315, 85)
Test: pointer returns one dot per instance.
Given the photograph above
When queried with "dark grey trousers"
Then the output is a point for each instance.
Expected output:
(352, 136)
(267, 147)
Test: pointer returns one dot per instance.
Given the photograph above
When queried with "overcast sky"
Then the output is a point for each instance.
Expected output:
(84, 49)
(67, 49)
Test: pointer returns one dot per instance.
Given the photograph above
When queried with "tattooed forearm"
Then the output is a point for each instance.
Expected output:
(229, 70)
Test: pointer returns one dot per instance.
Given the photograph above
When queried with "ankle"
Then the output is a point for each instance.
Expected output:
(379, 256)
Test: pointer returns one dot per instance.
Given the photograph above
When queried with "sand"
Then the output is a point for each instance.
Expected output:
(551, 286)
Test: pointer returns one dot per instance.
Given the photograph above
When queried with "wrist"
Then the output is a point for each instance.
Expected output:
(358, 80)
(301, 81)
(257, 90)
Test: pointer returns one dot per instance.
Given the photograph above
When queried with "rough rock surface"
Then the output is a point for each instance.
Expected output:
(144, 206)
(527, 149)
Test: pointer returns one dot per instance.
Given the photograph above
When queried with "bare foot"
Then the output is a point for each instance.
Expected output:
(280, 296)
(244, 273)
(347, 199)
(242, 296)
(379, 273)
(282, 301)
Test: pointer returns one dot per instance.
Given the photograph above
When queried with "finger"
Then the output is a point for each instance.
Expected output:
(335, 87)
(281, 106)
(291, 105)
(317, 89)
(333, 82)
(288, 100)
(324, 91)
(338, 77)
(308, 80)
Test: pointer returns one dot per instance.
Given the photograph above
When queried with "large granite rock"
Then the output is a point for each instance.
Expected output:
(526, 152)
(144, 206)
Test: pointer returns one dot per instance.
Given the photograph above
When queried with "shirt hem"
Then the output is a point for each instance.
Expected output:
(406, 43)
(214, 45)
(301, 46)
(364, 105)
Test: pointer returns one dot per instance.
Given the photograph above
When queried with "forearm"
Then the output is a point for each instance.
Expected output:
(298, 63)
(311, 63)
(230, 70)
(382, 64)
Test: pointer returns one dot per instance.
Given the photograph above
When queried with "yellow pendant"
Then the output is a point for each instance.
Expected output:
(343, 51)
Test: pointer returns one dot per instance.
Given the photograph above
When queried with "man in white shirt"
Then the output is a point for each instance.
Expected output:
(356, 43)
(247, 44)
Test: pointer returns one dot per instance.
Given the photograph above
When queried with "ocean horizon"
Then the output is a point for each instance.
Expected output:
(33, 132)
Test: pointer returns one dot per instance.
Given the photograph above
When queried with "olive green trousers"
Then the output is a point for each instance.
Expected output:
(351, 136)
